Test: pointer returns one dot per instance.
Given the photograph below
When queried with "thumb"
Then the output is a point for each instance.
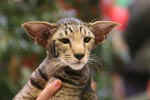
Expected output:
(50, 90)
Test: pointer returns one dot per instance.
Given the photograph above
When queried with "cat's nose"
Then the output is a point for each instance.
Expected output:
(79, 56)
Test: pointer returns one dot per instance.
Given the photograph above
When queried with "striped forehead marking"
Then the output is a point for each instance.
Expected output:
(69, 28)
(73, 28)
(80, 28)
(66, 32)
(85, 31)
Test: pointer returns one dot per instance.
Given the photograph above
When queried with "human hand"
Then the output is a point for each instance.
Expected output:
(50, 90)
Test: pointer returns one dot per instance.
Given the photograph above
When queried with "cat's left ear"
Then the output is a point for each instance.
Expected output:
(101, 29)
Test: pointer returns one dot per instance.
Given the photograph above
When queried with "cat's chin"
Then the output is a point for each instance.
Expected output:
(76, 66)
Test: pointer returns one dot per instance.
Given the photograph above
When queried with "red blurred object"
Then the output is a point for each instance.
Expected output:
(105, 7)
(119, 15)
(111, 11)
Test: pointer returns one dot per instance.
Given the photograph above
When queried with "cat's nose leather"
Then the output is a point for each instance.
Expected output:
(79, 56)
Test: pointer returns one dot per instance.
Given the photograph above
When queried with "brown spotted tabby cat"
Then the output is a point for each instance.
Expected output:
(68, 43)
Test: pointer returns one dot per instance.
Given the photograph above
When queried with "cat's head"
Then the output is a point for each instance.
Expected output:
(69, 40)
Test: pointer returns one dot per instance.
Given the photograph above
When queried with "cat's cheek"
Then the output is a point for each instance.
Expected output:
(89, 47)
(92, 45)
(85, 60)
(64, 49)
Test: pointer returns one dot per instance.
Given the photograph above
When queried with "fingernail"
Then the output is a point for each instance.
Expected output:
(57, 83)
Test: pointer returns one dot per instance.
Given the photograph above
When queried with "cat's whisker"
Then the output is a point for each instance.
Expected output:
(95, 61)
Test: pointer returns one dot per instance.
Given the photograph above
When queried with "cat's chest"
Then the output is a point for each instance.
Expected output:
(68, 93)
(73, 84)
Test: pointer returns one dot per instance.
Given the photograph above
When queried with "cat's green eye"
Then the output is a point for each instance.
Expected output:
(87, 39)
(64, 40)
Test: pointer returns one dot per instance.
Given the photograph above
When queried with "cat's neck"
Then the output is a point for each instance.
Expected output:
(74, 77)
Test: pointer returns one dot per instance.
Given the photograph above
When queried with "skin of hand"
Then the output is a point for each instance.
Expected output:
(50, 90)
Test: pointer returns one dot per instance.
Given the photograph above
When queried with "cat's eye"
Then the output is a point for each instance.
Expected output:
(87, 39)
(64, 40)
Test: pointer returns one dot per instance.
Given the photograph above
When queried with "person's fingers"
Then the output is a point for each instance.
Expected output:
(49, 91)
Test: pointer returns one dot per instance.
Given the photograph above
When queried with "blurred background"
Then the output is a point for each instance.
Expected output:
(125, 56)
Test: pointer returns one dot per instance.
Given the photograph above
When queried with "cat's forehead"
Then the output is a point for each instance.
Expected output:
(74, 28)
(70, 25)
(69, 21)
(71, 29)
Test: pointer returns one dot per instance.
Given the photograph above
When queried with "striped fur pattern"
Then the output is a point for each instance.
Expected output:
(68, 43)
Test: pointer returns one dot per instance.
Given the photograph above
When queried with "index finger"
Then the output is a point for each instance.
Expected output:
(50, 90)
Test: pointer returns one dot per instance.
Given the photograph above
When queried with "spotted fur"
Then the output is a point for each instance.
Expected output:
(68, 43)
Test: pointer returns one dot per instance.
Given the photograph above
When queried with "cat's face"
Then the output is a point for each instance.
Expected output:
(71, 43)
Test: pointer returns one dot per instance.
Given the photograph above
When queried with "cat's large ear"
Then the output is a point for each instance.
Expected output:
(40, 31)
(101, 29)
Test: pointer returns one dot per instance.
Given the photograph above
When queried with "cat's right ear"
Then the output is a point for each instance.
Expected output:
(40, 31)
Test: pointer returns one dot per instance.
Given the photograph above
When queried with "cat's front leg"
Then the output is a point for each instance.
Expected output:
(90, 92)
(38, 80)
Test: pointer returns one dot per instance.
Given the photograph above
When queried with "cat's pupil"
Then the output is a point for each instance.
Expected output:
(65, 40)
(87, 39)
